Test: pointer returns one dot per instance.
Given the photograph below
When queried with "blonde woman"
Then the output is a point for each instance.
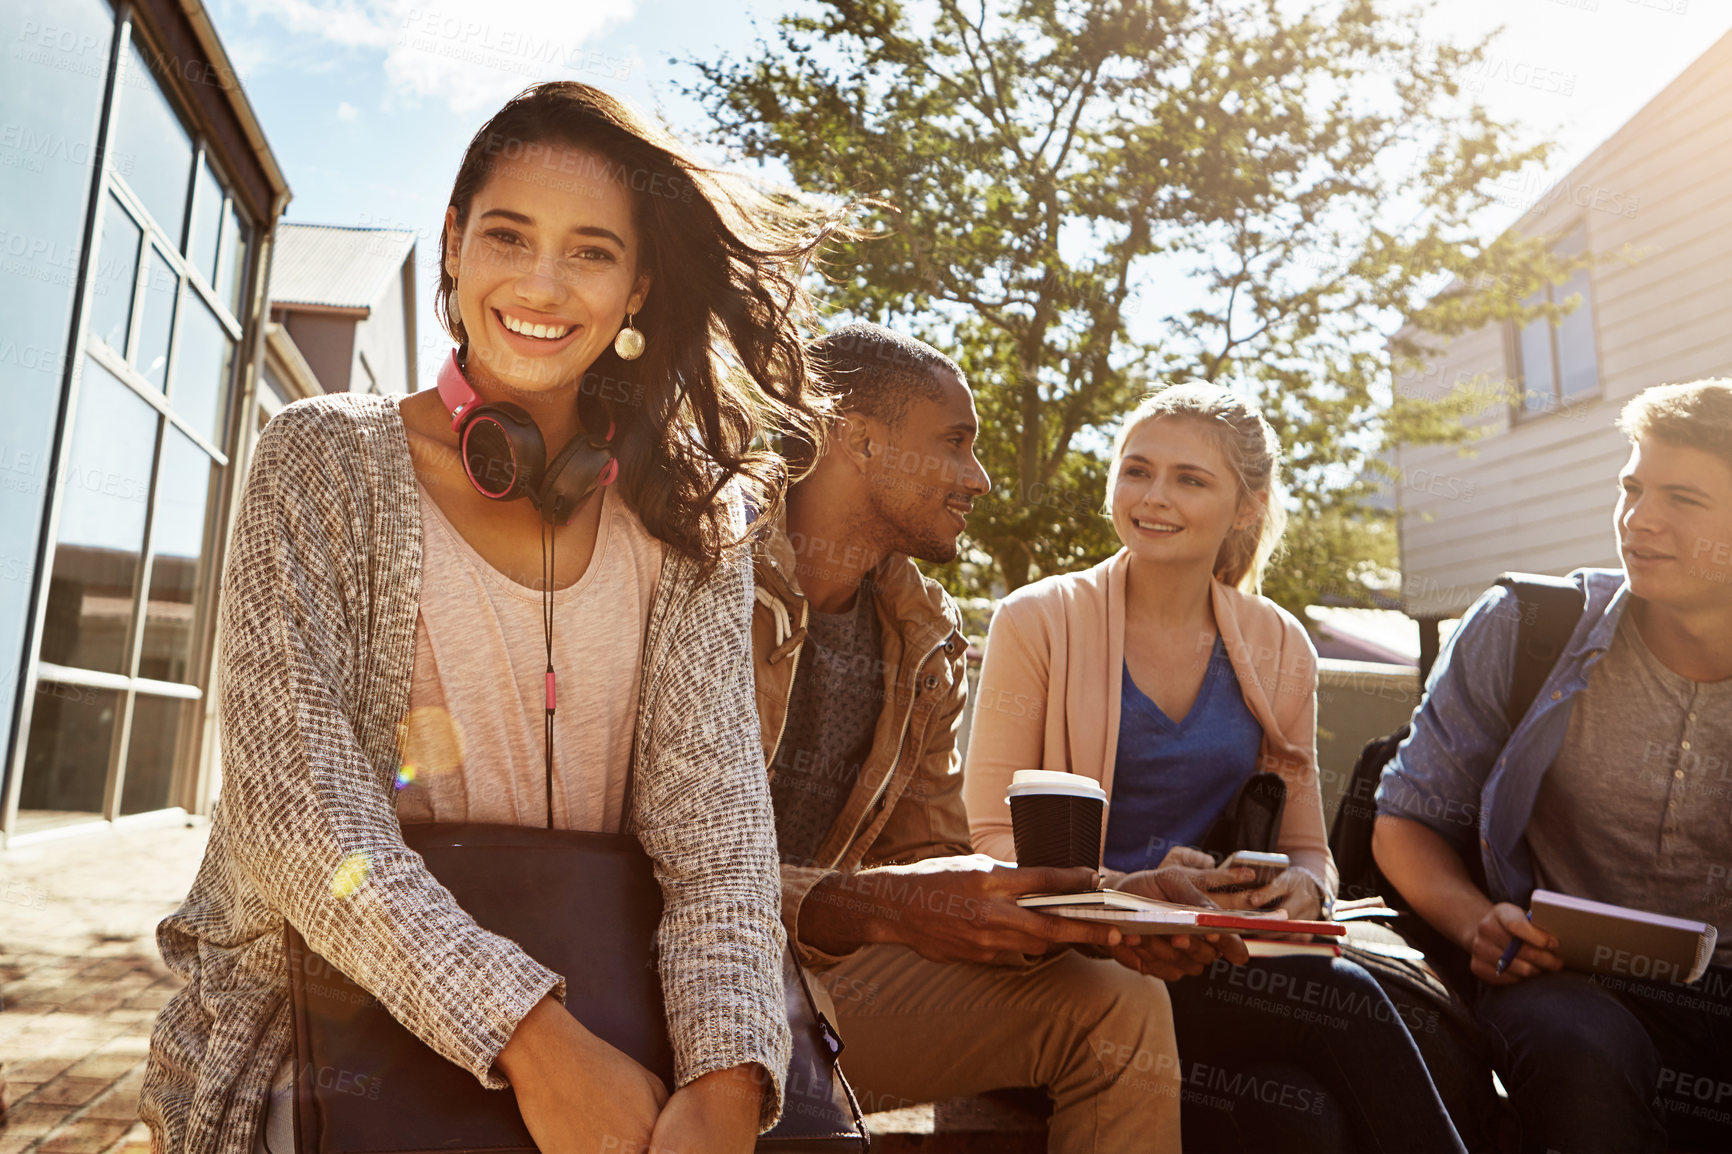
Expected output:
(1162, 674)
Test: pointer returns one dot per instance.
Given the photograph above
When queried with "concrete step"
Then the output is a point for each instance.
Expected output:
(998, 1122)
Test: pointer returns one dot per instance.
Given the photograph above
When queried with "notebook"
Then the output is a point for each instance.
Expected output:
(1140, 915)
(1277, 948)
(1607, 939)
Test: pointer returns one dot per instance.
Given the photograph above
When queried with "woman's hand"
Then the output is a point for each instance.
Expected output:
(1185, 875)
(577, 1093)
(716, 1113)
(1293, 890)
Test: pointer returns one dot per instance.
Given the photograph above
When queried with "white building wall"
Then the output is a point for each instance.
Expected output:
(382, 339)
(1536, 493)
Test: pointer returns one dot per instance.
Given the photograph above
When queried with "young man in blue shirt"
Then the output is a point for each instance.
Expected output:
(1616, 786)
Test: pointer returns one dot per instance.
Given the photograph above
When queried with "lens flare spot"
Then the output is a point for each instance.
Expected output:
(350, 874)
(406, 775)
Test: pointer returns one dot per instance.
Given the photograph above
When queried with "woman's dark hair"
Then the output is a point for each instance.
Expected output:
(723, 364)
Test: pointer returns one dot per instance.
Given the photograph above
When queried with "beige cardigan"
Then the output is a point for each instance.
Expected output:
(1049, 699)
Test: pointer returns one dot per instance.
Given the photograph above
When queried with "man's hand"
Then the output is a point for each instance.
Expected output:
(1170, 958)
(715, 1113)
(1185, 875)
(1429, 872)
(1502, 923)
(960, 909)
(577, 1093)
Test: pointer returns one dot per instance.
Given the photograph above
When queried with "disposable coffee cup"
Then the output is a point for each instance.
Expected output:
(1056, 818)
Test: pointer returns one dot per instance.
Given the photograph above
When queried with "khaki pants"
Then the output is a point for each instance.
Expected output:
(1096, 1036)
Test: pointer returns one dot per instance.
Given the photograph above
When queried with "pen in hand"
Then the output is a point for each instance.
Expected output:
(1510, 951)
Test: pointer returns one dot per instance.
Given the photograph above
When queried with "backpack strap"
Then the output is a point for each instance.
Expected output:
(1550, 609)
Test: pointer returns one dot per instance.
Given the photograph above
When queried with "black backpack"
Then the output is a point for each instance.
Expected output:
(1428, 994)
(1550, 608)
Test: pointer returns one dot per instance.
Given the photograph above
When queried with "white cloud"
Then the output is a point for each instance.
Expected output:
(472, 54)
(248, 54)
(347, 111)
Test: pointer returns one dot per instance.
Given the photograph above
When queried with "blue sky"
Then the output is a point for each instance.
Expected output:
(369, 103)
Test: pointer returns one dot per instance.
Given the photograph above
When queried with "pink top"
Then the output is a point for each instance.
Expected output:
(472, 744)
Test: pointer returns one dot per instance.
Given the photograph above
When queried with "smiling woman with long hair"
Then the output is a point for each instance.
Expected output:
(393, 616)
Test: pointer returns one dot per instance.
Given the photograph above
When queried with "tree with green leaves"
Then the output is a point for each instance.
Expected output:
(1084, 199)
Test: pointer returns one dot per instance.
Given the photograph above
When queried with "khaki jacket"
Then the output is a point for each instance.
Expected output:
(906, 804)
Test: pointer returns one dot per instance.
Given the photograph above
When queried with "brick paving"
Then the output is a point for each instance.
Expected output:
(81, 982)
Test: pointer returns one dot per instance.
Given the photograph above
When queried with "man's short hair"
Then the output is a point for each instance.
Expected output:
(878, 372)
(1697, 415)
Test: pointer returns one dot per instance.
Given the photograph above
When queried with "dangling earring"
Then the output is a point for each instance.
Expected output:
(451, 306)
(629, 343)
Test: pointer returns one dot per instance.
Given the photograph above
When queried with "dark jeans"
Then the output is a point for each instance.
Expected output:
(1287, 1054)
(1604, 1063)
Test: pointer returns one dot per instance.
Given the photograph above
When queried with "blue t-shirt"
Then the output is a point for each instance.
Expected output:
(1171, 780)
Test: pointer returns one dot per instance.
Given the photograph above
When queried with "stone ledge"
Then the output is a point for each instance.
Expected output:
(997, 1122)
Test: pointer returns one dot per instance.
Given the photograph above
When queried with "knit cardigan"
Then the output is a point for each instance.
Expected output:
(317, 626)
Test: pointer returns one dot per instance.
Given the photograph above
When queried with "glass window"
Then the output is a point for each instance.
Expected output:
(1536, 360)
(207, 218)
(183, 484)
(201, 370)
(1578, 365)
(157, 326)
(1558, 363)
(71, 739)
(102, 506)
(51, 87)
(116, 274)
(232, 261)
(157, 726)
(149, 134)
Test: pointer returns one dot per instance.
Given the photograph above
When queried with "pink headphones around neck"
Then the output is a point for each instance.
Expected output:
(505, 457)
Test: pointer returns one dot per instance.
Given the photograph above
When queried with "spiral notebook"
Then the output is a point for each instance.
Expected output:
(1630, 943)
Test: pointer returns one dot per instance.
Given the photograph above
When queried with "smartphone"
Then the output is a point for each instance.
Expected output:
(1268, 867)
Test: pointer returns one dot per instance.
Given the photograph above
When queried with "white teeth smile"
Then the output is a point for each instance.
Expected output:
(540, 332)
(1155, 527)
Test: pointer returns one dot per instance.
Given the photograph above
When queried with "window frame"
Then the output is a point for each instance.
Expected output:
(1517, 370)
(169, 243)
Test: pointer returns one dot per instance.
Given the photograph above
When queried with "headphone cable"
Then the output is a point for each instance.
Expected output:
(547, 633)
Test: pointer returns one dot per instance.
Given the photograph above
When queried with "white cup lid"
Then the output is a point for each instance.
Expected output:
(1038, 781)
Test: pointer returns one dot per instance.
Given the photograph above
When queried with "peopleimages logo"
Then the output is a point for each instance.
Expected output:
(30, 149)
(517, 50)
(36, 358)
(344, 1081)
(1527, 189)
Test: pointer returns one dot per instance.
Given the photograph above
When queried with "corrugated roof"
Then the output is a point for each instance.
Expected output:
(334, 265)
